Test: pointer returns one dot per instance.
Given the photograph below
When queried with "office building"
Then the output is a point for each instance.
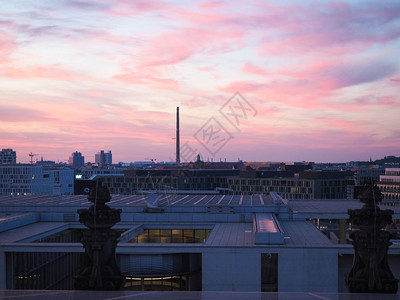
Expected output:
(22, 179)
(103, 158)
(306, 185)
(389, 185)
(76, 160)
(8, 156)
(368, 174)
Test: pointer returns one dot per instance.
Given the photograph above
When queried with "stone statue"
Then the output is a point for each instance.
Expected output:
(100, 241)
(370, 272)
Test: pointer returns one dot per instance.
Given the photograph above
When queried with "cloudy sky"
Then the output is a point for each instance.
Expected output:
(317, 80)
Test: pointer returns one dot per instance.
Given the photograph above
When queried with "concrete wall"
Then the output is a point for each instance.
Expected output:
(234, 269)
(311, 270)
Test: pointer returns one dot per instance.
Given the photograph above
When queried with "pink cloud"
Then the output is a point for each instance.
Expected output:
(372, 100)
(174, 47)
(252, 69)
(320, 145)
(51, 72)
(149, 80)
(210, 68)
(341, 72)
(295, 92)
(209, 5)
(307, 93)
(311, 84)
(336, 27)
(17, 114)
(319, 56)
(7, 46)
(135, 8)
(391, 101)
(348, 126)
(195, 102)
(203, 16)
(88, 5)
(66, 125)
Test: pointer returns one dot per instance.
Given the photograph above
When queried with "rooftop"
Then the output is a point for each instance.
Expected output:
(154, 295)
(138, 200)
(236, 221)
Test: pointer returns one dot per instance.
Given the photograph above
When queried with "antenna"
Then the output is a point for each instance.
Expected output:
(31, 156)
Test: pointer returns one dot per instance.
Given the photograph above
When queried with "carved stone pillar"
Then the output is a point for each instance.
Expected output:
(100, 241)
(370, 272)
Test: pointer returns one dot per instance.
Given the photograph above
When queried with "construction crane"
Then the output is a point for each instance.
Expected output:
(31, 156)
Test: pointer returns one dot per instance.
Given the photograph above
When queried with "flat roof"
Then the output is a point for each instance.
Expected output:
(296, 233)
(303, 233)
(139, 200)
(177, 203)
(332, 206)
(23, 232)
(222, 234)
(231, 234)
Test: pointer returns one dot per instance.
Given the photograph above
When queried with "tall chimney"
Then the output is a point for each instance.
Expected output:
(178, 156)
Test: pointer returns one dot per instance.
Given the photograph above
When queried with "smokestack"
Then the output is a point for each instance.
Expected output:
(178, 156)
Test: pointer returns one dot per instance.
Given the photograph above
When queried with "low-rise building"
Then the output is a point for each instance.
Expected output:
(306, 185)
(235, 243)
(24, 179)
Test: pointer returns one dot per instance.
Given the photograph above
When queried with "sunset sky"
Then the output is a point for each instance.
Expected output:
(318, 80)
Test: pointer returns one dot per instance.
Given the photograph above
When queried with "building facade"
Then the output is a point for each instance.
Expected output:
(236, 243)
(103, 158)
(21, 179)
(368, 174)
(8, 156)
(389, 184)
(76, 160)
(307, 185)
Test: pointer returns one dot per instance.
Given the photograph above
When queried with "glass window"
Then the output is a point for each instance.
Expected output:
(172, 236)
(165, 283)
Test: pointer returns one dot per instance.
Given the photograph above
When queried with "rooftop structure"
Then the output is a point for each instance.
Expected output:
(241, 243)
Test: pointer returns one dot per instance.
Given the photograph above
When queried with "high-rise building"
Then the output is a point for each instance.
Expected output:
(103, 158)
(77, 160)
(8, 156)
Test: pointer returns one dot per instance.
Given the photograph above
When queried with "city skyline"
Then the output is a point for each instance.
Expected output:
(319, 79)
